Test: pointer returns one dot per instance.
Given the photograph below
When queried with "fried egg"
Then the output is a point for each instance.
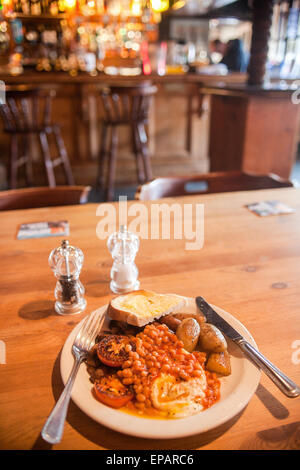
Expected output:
(178, 399)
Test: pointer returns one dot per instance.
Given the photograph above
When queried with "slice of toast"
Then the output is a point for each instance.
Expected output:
(141, 307)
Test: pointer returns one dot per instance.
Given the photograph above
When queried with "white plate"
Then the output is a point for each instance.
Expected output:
(236, 391)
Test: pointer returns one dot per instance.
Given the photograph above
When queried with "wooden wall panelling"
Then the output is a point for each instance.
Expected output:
(252, 132)
(271, 136)
(227, 130)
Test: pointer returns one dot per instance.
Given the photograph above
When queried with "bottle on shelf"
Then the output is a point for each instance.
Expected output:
(84, 39)
(35, 7)
(25, 7)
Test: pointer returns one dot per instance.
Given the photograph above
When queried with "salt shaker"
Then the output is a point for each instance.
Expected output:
(66, 263)
(123, 246)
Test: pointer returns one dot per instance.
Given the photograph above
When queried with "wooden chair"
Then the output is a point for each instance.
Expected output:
(27, 112)
(30, 198)
(208, 183)
(126, 105)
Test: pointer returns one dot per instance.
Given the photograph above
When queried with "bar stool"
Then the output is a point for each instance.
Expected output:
(124, 105)
(27, 112)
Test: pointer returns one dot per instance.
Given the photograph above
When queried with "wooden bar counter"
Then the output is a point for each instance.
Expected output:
(197, 123)
(253, 129)
(178, 124)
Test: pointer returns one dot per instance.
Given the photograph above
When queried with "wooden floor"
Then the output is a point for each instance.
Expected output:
(85, 173)
(126, 172)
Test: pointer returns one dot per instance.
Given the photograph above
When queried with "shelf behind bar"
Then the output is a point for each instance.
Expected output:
(44, 16)
(61, 16)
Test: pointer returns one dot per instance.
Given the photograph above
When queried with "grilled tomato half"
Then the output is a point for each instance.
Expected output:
(111, 392)
(113, 350)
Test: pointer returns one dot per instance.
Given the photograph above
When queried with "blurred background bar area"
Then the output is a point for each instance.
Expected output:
(114, 93)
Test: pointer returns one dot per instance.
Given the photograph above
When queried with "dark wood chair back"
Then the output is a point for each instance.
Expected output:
(208, 183)
(27, 109)
(126, 104)
(30, 198)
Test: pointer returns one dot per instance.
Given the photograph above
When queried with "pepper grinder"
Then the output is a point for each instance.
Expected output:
(123, 246)
(66, 263)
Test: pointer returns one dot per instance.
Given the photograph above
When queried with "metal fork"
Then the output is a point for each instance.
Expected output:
(84, 341)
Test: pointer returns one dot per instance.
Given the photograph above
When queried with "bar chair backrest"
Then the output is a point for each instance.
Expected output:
(27, 109)
(127, 103)
(30, 198)
(208, 183)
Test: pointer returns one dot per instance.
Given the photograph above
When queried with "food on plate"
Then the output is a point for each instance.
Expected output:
(173, 320)
(179, 399)
(188, 332)
(191, 331)
(219, 363)
(166, 368)
(140, 307)
(122, 328)
(111, 392)
(170, 320)
(157, 353)
(211, 339)
(198, 316)
(113, 350)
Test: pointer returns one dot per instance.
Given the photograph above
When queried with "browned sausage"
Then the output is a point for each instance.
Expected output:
(170, 321)
(197, 316)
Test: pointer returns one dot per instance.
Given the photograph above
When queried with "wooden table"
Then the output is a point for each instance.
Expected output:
(249, 266)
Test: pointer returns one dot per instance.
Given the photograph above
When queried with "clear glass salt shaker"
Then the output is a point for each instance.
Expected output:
(123, 246)
(66, 262)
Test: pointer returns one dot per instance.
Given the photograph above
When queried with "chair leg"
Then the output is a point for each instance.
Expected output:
(28, 161)
(144, 150)
(47, 159)
(189, 117)
(63, 155)
(112, 164)
(13, 170)
(137, 152)
(102, 156)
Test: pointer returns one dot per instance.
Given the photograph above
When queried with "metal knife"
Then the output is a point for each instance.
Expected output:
(286, 385)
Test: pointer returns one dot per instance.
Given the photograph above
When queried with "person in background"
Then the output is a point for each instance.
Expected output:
(234, 55)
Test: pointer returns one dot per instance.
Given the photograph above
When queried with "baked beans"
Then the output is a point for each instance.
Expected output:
(159, 350)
